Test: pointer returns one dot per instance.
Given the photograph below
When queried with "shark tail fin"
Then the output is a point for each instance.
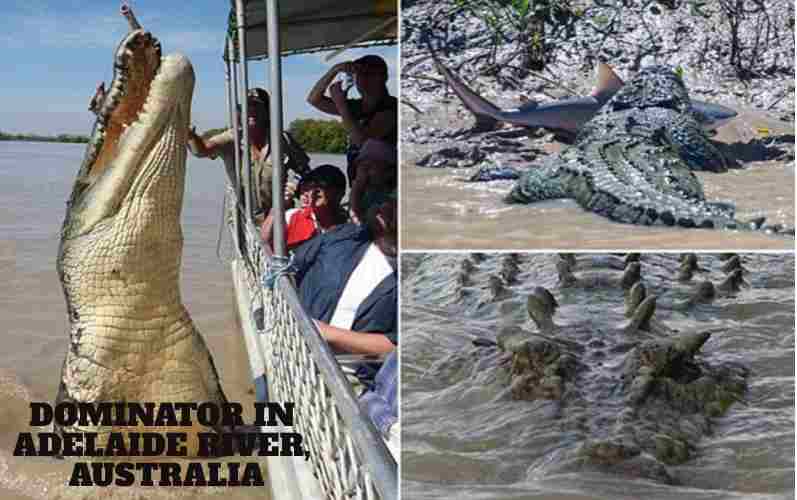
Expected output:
(484, 111)
(607, 84)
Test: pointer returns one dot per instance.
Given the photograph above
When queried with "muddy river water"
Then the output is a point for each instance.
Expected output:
(441, 210)
(37, 178)
(464, 436)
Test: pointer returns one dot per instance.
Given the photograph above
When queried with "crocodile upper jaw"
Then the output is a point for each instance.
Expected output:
(141, 126)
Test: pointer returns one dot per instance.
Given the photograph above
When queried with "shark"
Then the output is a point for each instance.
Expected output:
(564, 116)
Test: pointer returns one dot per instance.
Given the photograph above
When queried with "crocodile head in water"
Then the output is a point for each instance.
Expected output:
(131, 338)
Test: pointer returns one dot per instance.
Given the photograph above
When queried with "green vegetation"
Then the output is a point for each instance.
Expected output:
(4, 136)
(525, 21)
(319, 136)
(315, 136)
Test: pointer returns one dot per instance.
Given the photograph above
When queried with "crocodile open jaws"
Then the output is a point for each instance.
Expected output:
(131, 338)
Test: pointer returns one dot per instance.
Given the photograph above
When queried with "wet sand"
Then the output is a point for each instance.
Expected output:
(440, 210)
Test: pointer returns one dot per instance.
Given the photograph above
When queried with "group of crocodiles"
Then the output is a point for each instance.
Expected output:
(636, 145)
(131, 338)
(635, 397)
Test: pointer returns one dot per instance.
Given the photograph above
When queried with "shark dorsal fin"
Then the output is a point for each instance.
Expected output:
(608, 83)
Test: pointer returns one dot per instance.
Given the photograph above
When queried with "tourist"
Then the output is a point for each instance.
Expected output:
(224, 145)
(373, 116)
(347, 282)
(320, 196)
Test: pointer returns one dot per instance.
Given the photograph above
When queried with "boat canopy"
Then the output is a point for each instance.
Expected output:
(316, 25)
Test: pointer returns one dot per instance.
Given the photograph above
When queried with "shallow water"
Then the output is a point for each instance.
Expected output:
(442, 211)
(37, 179)
(464, 436)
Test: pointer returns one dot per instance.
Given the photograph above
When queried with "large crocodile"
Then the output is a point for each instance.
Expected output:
(131, 338)
(634, 397)
(633, 162)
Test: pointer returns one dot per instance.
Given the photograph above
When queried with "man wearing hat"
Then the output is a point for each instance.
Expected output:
(374, 116)
(223, 145)
(348, 283)
(320, 195)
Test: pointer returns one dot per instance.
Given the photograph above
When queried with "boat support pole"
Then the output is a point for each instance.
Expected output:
(244, 67)
(275, 65)
(232, 111)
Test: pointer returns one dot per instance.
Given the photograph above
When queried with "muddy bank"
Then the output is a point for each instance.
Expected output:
(759, 142)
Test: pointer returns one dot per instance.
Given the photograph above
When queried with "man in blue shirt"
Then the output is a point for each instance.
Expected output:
(347, 282)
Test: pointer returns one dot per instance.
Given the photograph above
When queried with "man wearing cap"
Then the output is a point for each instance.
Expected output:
(320, 195)
(224, 145)
(374, 116)
(347, 282)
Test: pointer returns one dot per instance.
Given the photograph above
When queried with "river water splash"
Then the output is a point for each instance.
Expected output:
(464, 434)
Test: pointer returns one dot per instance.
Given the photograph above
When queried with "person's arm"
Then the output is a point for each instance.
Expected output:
(355, 342)
(266, 233)
(316, 97)
(378, 126)
(211, 147)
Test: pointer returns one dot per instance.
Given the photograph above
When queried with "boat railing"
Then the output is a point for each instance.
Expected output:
(347, 456)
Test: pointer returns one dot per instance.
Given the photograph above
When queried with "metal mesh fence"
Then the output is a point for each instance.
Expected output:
(347, 454)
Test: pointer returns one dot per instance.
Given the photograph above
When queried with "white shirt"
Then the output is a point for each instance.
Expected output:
(372, 269)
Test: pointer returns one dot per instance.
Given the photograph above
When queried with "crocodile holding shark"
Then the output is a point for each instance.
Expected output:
(565, 116)
(636, 147)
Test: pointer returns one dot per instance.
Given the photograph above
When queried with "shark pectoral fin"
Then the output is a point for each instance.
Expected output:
(607, 84)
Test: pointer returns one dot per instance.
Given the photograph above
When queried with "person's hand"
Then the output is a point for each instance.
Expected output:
(355, 219)
(337, 94)
(289, 192)
(344, 67)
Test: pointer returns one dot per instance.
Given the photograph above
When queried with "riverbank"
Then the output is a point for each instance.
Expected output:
(62, 138)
